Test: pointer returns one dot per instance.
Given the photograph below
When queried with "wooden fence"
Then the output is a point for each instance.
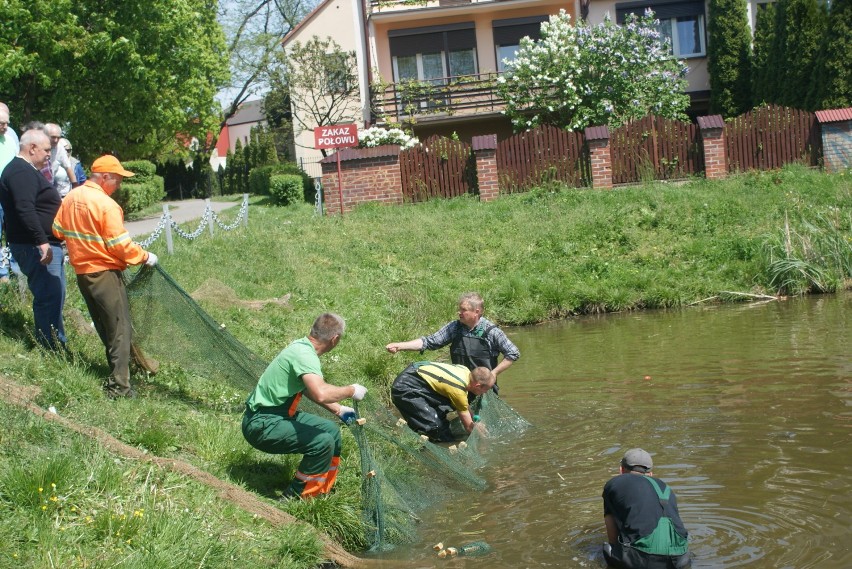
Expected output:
(439, 168)
(651, 148)
(770, 137)
(542, 155)
(655, 148)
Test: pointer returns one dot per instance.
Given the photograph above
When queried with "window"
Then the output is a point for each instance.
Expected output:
(506, 53)
(338, 75)
(754, 8)
(508, 34)
(686, 35)
(433, 55)
(680, 21)
(434, 52)
(420, 67)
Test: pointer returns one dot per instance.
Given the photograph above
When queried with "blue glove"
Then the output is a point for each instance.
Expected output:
(347, 414)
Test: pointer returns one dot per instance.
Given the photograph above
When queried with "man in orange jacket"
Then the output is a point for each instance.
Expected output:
(100, 249)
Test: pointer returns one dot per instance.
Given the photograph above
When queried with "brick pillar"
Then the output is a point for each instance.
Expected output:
(836, 127)
(715, 156)
(369, 175)
(331, 201)
(597, 137)
(485, 150)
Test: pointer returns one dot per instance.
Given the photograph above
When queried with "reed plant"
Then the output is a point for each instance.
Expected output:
(394, 273)
(815, 255)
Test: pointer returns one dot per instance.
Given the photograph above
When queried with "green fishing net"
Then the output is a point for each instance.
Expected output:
(402, 472)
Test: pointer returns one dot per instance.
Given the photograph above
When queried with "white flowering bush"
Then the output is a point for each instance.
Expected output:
(377, 136)
(579, 76)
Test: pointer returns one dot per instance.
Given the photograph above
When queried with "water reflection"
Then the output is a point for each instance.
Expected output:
(746, 410)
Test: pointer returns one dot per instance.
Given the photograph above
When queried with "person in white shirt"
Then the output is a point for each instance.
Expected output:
(61, 170)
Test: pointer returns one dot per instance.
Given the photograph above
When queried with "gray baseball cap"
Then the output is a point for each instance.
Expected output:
(637, 457)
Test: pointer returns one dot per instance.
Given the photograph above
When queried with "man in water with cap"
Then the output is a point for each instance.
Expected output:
(99, 249)
(643, 526)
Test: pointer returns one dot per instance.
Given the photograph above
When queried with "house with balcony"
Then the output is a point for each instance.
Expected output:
(433, 64)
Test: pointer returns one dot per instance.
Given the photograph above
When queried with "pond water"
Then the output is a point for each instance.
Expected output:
(746, 409)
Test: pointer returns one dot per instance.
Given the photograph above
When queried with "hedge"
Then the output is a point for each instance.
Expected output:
(259, 179)
(143, 189)
(286, 189)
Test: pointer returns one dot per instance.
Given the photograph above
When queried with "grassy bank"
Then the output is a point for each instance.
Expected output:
(394, 274)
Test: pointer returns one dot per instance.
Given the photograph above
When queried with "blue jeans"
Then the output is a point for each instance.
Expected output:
(47, 284)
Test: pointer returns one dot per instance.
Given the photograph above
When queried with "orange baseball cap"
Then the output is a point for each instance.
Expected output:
(109, 164)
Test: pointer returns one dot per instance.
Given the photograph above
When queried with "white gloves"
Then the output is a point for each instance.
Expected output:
(360, 392)
(151, 260)
(346, 414)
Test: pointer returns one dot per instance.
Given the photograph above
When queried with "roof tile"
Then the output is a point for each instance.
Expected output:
(834, 115)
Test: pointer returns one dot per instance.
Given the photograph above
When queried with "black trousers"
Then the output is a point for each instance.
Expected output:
(425, 410)
(622, 557)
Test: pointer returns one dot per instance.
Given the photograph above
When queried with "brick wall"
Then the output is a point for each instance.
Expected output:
(368, 175)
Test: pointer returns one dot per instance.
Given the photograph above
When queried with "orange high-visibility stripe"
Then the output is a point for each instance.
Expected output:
(310, 477)
(332, 475)
(314, 484)
(294, 406)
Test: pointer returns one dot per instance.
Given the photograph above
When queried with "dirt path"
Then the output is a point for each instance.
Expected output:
(22, 396)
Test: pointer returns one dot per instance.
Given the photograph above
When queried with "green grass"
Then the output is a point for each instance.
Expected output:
(65, 502)
(394, 273)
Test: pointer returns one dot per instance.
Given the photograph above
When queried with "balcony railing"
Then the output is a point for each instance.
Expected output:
(385, 6)
(439, 98)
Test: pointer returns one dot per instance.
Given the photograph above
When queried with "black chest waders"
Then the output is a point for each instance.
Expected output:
(473, 352)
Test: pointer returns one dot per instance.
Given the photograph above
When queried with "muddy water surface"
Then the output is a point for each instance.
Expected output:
(747, 410)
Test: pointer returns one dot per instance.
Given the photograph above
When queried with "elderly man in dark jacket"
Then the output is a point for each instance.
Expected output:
(30, 203)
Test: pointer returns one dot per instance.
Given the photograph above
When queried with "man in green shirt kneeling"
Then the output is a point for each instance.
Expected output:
(273, 423)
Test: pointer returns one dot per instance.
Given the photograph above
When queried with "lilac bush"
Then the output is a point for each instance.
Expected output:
(579, 76)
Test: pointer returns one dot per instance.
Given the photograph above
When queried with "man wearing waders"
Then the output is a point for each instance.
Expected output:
(425, 392)
(643, 526)
(273, 423)
(474, 340)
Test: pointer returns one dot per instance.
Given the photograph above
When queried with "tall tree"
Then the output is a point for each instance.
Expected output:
(806, 20)
(321, 82)
(124, 77)
(831, 84)
(764, 39)
(278, 112)
(799, 28)
(254, 29)
(729, 57)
